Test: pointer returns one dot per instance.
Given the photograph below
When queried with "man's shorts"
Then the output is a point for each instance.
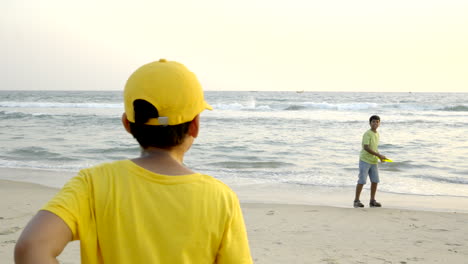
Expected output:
(368, 169)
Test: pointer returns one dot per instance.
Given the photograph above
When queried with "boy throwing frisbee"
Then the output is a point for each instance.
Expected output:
(368, 161)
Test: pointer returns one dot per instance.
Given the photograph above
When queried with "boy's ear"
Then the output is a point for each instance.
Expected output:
(194, 127)
(126, 123)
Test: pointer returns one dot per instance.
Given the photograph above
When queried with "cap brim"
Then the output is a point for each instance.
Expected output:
(208, 106)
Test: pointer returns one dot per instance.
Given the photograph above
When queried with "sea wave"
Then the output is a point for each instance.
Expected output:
(241, 106)
(76, 118)
(41, 165)
(403, 166)
(4, 115)
(244, 165)
(251, 105)
(357, 106)
(345, 106)
(13, 104)
(298, 106)
(35, 152)
(20, 115)
(295, 107)
(457, 108)
(452, 180)
(354, 106)
(127, 150)
(427, 107)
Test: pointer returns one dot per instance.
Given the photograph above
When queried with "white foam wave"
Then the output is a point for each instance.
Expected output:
(239, 106)
(249, 105)
(40, 114)
(19, 114)
(58, 105)
(348, 106)
(308, 105)
(40, 165)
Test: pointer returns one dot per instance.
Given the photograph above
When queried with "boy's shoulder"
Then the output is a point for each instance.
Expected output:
(370, 132)
(216, 183)
(367, 132)
(104, 166)
(112, 169)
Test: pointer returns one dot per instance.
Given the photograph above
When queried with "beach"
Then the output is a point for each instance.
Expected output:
(408, 229)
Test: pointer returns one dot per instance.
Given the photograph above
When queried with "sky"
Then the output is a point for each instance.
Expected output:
(241, 45)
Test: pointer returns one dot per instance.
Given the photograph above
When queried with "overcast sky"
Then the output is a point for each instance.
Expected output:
(332, 45)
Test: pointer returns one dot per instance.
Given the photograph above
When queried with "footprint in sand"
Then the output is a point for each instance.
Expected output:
(453, 244)
(438, 229)
(271, 212)
(415, 259)
(9, 231)
(330, 261)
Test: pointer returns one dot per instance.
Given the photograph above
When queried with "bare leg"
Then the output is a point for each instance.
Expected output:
(358, 191)
(373, 190)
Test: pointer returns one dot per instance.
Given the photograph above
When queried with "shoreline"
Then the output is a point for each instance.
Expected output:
(343, 197)
(287, 194)
(282, 233)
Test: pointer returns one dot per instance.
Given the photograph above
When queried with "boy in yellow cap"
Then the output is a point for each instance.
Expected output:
(151, 209)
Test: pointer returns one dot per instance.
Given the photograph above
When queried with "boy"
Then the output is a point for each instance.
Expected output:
(368, 162)
(151, 209)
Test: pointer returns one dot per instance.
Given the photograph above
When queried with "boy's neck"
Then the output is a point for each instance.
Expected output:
(163, 161)
(157, 153)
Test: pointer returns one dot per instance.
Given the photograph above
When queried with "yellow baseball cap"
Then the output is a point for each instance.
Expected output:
(170, 87)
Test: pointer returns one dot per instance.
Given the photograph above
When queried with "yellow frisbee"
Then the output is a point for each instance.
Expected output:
(387, 160)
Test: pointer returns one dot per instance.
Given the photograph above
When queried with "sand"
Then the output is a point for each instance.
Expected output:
(294, 233)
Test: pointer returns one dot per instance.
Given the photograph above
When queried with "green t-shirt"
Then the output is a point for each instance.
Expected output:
(370, 138)
(123, 213)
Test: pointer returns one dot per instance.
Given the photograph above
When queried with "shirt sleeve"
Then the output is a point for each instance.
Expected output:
(71, 204)
(235, 245)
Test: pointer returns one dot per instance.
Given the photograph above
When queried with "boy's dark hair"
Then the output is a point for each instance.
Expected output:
(155, 136)
(374, 117)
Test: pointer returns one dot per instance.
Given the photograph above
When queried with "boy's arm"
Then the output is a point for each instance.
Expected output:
(234, 248)
(368, 149)
(43, 239)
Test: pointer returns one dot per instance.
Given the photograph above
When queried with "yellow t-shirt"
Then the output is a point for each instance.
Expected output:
(122, 213)
(372, 139)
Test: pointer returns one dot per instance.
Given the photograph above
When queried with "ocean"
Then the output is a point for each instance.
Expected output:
(282, 139)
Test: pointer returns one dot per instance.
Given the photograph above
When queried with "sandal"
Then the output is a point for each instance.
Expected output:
(374, 203)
